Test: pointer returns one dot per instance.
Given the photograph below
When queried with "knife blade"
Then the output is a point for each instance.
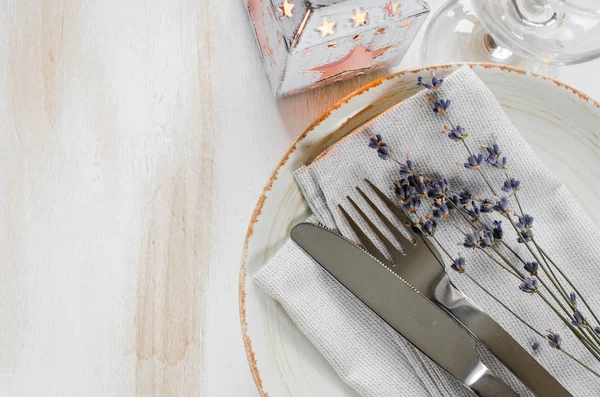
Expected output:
(418, 320)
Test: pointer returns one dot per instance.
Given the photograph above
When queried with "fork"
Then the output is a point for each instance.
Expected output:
(421, 265)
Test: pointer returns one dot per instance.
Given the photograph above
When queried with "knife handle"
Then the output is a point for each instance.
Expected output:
(499, 342)
(488, 385)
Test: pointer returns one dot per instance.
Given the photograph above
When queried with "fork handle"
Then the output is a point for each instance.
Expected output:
(499, 342)
(488, 385)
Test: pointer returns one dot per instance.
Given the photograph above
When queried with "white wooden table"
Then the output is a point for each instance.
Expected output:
(135, 139)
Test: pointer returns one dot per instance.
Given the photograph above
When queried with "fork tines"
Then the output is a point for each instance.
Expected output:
(407, 245)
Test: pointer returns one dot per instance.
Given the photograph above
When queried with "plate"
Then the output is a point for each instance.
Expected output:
(559, 122)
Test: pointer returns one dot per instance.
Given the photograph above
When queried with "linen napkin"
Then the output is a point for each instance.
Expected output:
(368, 354)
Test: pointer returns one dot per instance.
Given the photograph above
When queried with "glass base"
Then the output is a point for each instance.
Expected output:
(456, 35)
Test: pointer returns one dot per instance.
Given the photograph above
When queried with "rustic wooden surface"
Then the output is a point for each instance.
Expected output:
(135, 139)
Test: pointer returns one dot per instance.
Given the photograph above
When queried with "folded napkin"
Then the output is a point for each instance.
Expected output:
(366, 353)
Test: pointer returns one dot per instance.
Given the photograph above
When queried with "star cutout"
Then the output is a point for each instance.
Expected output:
(359, 59)
(392, 8)
(256, 13)
(286, 9)
(326, 28)
(360, 17)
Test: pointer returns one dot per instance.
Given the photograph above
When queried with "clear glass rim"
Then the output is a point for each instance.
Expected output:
(569, 6)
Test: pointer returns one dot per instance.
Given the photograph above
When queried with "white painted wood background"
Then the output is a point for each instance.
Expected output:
(135, 138)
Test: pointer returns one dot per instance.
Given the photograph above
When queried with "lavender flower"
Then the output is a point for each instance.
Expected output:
(525, 236)
(441, 106)
(437, 83)
(501, 206)
(554, 339)
(458, 264)
(413, 203)
(454, 199)
(440, 210)
(426, 227)
(457, 133)
(474, 162)
(525, 222)
(487, 205)
(487, 238)
(421, 188)
(497, 231)
(577, 319)
(472, 211)
(407, 168)
(531, 267)
(493, 152)
(438, 189)
(472, 240)
(403, 190)
(415, 227)
(466, 195)
(483, 238)
(384, 152)
(573, 300)
(376, 141)
(421, 83)
(382, 148)
(414, 180)
(511, 185)
(500, 164)
(529, 285)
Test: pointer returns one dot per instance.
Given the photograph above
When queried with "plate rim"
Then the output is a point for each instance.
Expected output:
(250, 355)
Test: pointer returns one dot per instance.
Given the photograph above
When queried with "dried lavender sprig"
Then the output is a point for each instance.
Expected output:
(554, 282)
(489, 185)
(585, 366)
(548, 270)
(586, 342)
(515, 192)
(444, 113)
(485, 179)
(572, 285)
(521, 277)
(593, 338)
(581, 336)
(591, 348)
(579, 321)
(518, 275)
(579, 362)
(592, 333)
(574, 330)
(511, 271)
(513, 313)
(516, 271)
(546, 258)
(441, 108)
(520, 234)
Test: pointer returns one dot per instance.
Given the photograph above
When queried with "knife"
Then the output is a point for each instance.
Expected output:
(418, 320)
